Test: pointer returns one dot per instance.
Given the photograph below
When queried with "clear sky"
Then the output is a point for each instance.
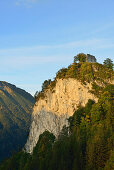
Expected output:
(38, 37)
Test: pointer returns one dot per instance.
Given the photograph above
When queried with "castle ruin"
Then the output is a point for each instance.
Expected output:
(90, 58)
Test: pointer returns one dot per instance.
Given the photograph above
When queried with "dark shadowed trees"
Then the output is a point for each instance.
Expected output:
(108, 63)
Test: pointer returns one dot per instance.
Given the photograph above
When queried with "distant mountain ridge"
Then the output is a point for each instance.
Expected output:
(4, 84)
(15, 114)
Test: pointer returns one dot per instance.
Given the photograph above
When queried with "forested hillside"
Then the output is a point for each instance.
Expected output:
(87, 143)
(15, 114)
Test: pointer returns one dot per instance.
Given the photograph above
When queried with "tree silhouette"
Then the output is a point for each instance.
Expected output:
(108, 63)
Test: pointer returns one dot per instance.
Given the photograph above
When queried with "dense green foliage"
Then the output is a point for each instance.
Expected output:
(86, 72)
(15, 114)
(81, 57)
(108, 63)
(85, 145)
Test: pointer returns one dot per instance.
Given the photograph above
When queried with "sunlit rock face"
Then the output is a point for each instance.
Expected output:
(52, 112)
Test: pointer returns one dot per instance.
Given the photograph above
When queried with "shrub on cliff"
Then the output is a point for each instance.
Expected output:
(45, 84)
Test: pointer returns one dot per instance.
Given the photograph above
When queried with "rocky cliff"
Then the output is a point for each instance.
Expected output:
(51, 112)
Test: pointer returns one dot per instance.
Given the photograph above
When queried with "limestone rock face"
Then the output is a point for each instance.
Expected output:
(52, 112)
(42, 121)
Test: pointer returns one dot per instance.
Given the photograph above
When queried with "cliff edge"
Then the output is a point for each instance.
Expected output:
(51, 112)
(72, 87)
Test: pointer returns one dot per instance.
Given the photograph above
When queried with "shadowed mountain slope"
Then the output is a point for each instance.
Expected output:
(15, 114)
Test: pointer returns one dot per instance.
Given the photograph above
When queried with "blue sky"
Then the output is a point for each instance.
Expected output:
(38, 37)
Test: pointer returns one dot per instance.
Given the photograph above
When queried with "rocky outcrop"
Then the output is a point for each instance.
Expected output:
(42, 121)
(51, 112)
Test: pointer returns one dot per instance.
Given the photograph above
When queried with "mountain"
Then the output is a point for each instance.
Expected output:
(15, 115)
(72, 121)
(58, 100)
(51, 112)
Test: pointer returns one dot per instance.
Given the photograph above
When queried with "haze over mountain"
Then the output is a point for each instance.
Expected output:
(15, 114)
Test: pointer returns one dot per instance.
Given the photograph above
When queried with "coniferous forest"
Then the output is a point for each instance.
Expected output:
(87, 143)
